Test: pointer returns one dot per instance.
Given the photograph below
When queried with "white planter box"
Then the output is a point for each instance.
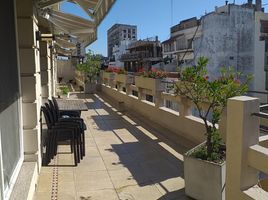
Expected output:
(204, 180)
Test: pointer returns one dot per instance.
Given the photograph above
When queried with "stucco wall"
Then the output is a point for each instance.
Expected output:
(228, 40)
(65, 69)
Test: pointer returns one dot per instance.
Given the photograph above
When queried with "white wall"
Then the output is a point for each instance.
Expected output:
(65, 69)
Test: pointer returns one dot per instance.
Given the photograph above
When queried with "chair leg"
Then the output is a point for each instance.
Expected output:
(74, 148)
(78, 148)
(81, 146)
(84, 144)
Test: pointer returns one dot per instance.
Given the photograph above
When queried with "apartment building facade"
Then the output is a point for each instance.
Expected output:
(232, 35)
(142, 54)
(118, 33)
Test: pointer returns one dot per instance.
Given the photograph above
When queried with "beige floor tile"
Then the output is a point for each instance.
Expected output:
(90, 164)
(107, 194)
(65, 159)
(66, 188)
(128, 176)
(65, 169)
(89, 181)
(115, 161)
(126, 138)
(102, 141)
(42, 196)
(149, 192)
(92, 152)
(44, 183)
(110, 150)
(90, 142)
(65, 176)
(170, 185)
(66, 196)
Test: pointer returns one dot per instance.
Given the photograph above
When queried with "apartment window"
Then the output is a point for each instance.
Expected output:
(133, 31)
(190, 43)
(129, 36)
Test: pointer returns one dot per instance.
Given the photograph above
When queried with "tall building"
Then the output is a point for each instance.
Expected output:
(232, 35)
(118, 33)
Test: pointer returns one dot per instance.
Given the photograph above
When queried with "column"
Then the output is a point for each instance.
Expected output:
(242, 132)
(30, 79)
(45, 65)
(54, 75)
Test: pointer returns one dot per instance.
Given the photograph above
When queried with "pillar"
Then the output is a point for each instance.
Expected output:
(242, 132)
(53, 60)
(45, 65)
(30, 79)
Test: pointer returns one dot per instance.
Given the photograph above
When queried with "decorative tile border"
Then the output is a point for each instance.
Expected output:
(55, 180)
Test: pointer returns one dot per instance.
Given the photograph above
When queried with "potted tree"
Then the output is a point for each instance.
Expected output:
(204, 165)
(91, 69)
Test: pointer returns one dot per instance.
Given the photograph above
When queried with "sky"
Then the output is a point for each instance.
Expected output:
(152, 17)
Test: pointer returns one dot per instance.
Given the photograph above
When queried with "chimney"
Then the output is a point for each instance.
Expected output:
(250, 2)
(258, 5)
(226, 3)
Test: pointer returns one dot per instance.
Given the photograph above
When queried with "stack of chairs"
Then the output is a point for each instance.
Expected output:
(63, 126)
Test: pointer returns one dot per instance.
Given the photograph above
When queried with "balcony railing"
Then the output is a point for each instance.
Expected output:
(163, 108)
(247, 153)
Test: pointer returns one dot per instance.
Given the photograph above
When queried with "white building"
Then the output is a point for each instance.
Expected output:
(232, 35)
(119, 50)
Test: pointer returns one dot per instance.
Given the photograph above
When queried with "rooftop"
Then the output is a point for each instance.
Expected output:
(126, 158)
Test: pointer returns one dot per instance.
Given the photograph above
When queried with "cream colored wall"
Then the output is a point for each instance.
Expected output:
(65, 69)
(181, 123)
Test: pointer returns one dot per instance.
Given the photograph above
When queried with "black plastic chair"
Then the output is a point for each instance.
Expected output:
(58, 133)
(73, 118)
(75, 121)
(71, 123)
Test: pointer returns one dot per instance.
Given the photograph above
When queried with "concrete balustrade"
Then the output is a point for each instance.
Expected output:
(182, 122)
(245, 156)
(247, 153)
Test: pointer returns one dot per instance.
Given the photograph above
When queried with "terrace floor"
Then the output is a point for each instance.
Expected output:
(127, 158)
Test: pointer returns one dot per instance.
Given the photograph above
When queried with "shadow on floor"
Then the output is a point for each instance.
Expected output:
(154, 157)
